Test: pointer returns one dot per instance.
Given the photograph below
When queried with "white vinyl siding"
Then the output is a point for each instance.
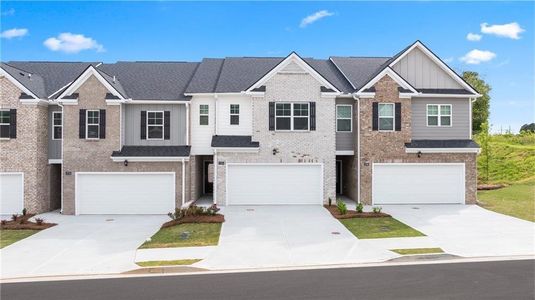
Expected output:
(224, 115)
(234, 114)
(204, 114)
(201, 135)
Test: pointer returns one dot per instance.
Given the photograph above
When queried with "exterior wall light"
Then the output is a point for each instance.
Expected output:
(125, 163)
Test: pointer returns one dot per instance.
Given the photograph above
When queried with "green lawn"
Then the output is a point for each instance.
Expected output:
(517, 200)
(418, 251)
(9, 236)
(201, 234)
(160, 263)
(376, 228)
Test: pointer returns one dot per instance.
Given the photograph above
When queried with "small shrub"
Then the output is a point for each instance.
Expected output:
(24, 211)
(4, 222)
(360, 208)
(342, 207)
(377, 209)
(14, 217)
(212, 210)
(39, 221)
(193, 211)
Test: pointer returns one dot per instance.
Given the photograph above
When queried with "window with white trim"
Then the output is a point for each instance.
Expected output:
(5, 123)
(344, 115)
(57, 125)
(92, 127)
(386, 116)
(155, 125)
(234, 114)
(292, 116)
(438, 114)
(203, 114)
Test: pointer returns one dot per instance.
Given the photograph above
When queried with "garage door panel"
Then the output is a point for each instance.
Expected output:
(11, 193)
(134, 193)
(274, 184)
(418, 183)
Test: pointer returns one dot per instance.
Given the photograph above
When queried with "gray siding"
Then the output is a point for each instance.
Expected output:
(460, 121)
(132, 124)
(421, 72)
(344, 140)
(54, 146)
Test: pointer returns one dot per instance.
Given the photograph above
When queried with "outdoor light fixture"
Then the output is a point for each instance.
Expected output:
(275, 151)
(125, 163)
(419, 153)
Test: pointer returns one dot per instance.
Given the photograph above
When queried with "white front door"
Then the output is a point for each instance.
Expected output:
(125, 193)
(407, 183)
(11, 193)
(274, 184)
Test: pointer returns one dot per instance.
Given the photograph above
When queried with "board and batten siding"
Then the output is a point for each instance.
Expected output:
(421, 72)
(344, 140)
(460, 119)
(132, 124)
(54, 146)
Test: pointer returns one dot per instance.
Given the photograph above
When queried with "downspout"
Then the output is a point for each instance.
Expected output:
(215, 177)
(183, 182)
(62, 155)
(358, 146)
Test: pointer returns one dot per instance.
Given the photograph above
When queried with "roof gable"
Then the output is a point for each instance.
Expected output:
(30, 84)
(392, 74)
(112, 85)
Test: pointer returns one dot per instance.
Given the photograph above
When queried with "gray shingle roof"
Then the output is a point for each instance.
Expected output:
(359, 70)
(442, 144)
(239, 73)
(150, 151)
(205, 78)
(329, 71)
(32, 82)
(233, 141)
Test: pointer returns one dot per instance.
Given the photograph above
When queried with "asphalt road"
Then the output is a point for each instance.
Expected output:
(481, 280)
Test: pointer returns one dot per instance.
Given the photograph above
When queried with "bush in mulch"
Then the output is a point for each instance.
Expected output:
(218, 218)
(194, 214)
(488, 187)
(354, 214)
(23, 222)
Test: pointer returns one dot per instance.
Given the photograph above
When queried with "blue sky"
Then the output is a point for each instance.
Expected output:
(111, 31)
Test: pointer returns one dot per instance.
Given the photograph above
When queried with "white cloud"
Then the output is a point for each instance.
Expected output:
(8, 12)
(476, 57)
(13, 33)
(511, 30)
(72, 43)
(315, 17)
(473, 37)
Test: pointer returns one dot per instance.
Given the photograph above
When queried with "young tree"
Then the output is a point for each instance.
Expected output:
(528, 127)
(480, 108)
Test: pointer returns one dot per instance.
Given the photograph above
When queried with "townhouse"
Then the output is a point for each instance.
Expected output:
(146, 137)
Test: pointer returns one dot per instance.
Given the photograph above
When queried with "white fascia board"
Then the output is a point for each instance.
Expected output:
(442, 150)
(444, 96)
(303, 64)
(16, 83)
(55, 161)
(149, 158)
(388, 71)
(133, 101)
(254, 94)
(213, 94)
(39, 102)
(67, 101)
(345, 152)
(83, 77)
(365, 95)
(439, 62)
(330, 95)
(241, 150)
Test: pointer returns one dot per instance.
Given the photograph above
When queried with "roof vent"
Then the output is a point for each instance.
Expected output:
(30, 76)
(113, 78)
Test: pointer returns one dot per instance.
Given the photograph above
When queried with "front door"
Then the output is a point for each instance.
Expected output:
(208, 185)
(338, 176)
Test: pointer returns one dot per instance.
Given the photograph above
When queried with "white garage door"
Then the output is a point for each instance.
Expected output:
(274, 184)
(125, 193)
(11, 193)
(418, 183)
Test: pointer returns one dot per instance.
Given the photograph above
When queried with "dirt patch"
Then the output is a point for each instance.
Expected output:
(22, 222)
(354, 214)
(218, 218)
(489, 187)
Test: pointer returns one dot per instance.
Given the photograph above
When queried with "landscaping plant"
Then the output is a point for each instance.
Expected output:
(377, 209)
(342, 207)
(39, 221)
(360, 208)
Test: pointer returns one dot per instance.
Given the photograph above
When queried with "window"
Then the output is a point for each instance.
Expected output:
(439, 115)
(386, 116)
(234, 114)
(292, 116)
(154, 125)
(5, 122)
(344, 118)
(93, 124)
(57, 125)
(203, 114)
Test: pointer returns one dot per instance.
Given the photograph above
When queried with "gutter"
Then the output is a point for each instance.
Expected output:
(358, 145)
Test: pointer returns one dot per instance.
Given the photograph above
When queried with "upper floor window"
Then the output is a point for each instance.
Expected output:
(344, 117)
(92, 129)
(292, 116)
(155, 125)
(57, 125)
(438, 114)
(5, 123)
(234, 114)
(203, 114)
(386, 116)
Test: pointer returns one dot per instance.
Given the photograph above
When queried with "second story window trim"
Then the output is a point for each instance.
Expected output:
(387, 116)
(5, 124)
(344, 118)
(204, 114)
(155, 125)
(57, 125)
(234, 114)
(439, 115)
(292, 116)
(92, 125)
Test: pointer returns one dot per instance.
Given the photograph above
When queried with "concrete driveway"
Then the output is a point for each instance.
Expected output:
(468, 230)
(79, 245)
(282, 236)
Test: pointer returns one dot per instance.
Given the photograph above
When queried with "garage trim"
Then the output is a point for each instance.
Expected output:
(111, 173)
(22, 179)
(275, 164)
(419, 164)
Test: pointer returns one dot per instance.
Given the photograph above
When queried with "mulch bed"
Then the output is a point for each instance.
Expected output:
(22, 223)
(354, 214)
(218, 218)
(488, 187)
